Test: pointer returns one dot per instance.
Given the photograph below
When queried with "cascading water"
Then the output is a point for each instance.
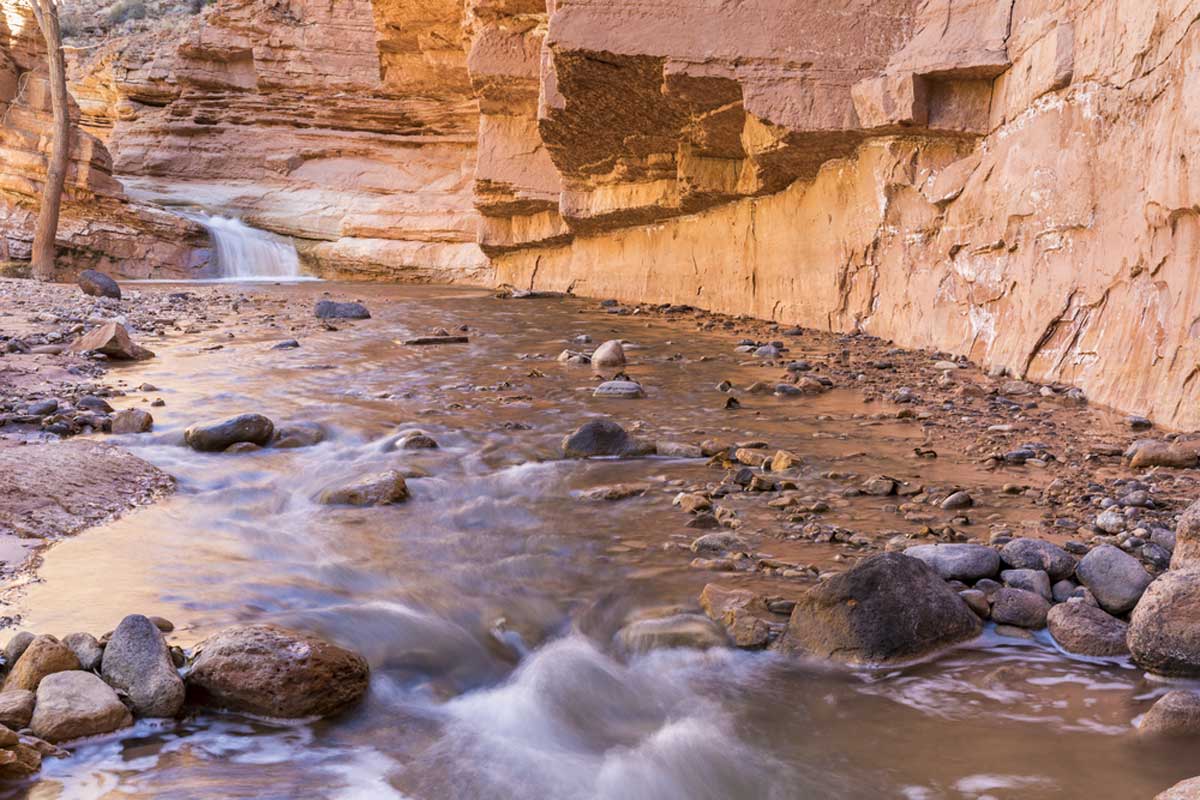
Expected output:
(244, 253)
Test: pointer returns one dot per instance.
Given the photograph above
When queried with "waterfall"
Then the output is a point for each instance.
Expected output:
(244, 253)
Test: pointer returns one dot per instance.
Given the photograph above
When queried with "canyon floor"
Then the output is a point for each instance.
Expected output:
(499, 606)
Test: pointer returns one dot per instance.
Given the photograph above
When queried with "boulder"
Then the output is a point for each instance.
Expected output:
(97, 284)
(137, 662)
(86, 648)
(621, 390)
(1031, 580)
(679, 630)
(74, 704)
(1038, 554)
(16, 646)
(1115, 578)
(19, 761)
(1176, 713)
(1187, 538)
(1164, 632)
(741, 611)
(330, 309)
(275, 672)
(600, 437)
(132, 420)
(889, 608)
(1184, 790)
(213, 437)
(1148, 453)
(44, 656)
(112, 340)
(16, 708)
(958, 562)
(373, 490)
(298, 434)
(1086, 630)
(1020, 608)
(610, 355)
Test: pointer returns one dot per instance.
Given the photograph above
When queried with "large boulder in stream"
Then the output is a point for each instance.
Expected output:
(74, 704)
(97, 284)
(889, 608)
(602, 437)
(380, 489)
(274, 672)
(1164, 631)
(213, 437)
(137, 662)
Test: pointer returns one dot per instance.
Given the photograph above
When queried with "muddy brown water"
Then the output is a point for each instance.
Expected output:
(486, 604)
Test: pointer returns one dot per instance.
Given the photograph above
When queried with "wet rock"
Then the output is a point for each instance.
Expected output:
(956, 501)
(214, 437)
(131, 420)
(286, 344)
(380, 489)
(888, 608)
(610, 355)
(880, 486)
(680, 630)
(1082, 628)
(86, 648)
(721, 542)
(112, 340)
(1115, 578)
(622, 390)
(692, 503)
(1031, 580)
(1020, 608)
(783, 460)
(19, 761)
(618, 491)
(978, 601)
(437, 339)
(15, 647)
(138, 664)
(74, 704)
(1063, 589)
(1186, 542)
(275, 672)
(740, 611)
(1176, 713)
(44, 656)
(1164, 636)
(678, 450)
(97, 284)
(1038, 554)
(298, 434)
(42, 408)
(1148, 453)
(330, 309)
(600, 438)
(961, 562)
(1184, 790)
(16, 708)
(162, 623)
(416, 440)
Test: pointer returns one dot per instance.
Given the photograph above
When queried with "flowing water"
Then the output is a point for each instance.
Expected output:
(487, 603)
(244, 253)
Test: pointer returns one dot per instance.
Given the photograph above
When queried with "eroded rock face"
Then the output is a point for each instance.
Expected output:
(274, 672)
(889, 608)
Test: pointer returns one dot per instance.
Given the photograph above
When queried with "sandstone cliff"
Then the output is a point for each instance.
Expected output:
(100, 227)
(1010, 179)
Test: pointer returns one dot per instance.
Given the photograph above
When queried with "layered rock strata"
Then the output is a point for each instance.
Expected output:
(100, 227)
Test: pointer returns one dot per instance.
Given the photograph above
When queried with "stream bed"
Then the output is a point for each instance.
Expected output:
(487, 604)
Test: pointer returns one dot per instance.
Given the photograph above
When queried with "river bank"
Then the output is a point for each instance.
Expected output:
(506, 556)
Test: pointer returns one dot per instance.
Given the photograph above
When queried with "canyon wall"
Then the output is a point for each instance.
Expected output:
(100, 227)
(347, 125)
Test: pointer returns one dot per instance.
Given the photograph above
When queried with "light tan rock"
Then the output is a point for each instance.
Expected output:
(44, 656)
(74, 704)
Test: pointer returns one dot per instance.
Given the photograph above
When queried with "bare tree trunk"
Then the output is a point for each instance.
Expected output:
(46, 12)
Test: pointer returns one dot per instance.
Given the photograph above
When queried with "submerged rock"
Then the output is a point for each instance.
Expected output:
(625, 390)
(97, 284)
(298, 434)
(217, 436)
(1082, 628)
(609, 355)
(889, 608)
(382, 488)
(275, 672)
(132, 420)
(1164, 636)
(1176, 713)
(741, 611)
(74, 704)
(330, 309)
(138, 663)
(680, 630)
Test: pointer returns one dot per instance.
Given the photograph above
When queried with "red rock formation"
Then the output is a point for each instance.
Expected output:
(99, 228)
